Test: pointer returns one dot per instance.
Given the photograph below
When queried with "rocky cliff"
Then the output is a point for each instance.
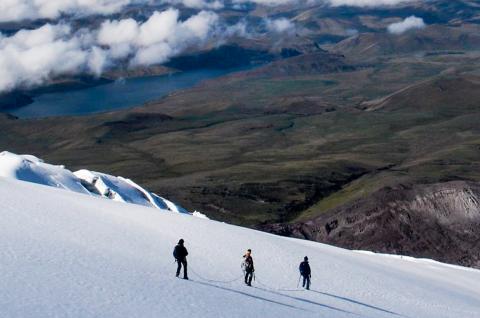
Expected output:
(439, 221)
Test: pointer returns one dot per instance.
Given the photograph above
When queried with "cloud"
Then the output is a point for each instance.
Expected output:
(266, 2)
(367, 3)
(353, 3)
(281, 25)
(31, 57)
(198, 4)
(157, 39)
(17, 10)
(408, 24)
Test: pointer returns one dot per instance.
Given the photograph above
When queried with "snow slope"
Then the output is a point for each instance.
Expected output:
(32, 169)
(64, 254)
(125, 190)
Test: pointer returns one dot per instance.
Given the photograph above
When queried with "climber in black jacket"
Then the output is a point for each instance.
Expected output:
(306, 272)
(180, 253)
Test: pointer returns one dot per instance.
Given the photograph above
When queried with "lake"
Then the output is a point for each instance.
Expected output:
(120, 94)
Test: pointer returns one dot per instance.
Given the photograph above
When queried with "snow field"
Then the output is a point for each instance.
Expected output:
(64, 254)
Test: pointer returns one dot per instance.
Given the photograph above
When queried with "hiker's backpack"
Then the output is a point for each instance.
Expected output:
(301, 268)
(247, 265)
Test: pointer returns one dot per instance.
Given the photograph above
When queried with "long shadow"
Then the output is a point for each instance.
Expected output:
(306, 301)
(248, 295)
(357, 302)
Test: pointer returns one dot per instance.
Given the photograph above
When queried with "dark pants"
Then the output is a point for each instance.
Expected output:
(306, 281)
(248, 277)
(181, 262)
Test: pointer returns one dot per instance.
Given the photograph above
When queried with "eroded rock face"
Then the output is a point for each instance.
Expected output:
(439, 221)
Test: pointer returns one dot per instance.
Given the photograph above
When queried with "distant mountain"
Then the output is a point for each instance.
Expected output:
(461, 92)
(433, 38)
(320, 62)
(430, 221)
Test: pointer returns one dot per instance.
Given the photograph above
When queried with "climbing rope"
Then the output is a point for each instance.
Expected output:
(285, 289)
(241, 277)
(213, 280)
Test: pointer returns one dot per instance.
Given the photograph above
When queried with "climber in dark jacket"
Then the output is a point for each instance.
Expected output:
(248, 267)
(180, 253)
(306, 272)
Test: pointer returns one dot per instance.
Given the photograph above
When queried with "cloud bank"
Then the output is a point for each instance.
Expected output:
(31, 57)
(197, 4)
(18, 10)
(409, 23)
(157, 39)
(367, 3)
(335, 3)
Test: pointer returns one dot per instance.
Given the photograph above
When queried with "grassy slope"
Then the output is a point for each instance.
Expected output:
(254, 149)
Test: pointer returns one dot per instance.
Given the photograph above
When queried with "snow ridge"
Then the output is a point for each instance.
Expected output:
(32, 169)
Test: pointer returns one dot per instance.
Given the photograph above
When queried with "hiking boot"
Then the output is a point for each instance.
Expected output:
(185, 278)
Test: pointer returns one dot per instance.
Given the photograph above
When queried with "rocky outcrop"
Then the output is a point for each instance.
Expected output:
(439, 221)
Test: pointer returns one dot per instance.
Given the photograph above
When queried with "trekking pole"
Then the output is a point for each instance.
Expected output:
(299, 277)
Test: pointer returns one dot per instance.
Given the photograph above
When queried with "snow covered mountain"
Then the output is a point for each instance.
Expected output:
(32, 169)
(66, 254)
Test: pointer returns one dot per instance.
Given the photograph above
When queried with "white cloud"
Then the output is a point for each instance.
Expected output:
(17, 10)
(238, 29)
(408, 24)
(198, 4)
(157, 39)
(31, 57)
(98, 61)
(367, 3)
(281, 25)
(267, 2)
(353, 3)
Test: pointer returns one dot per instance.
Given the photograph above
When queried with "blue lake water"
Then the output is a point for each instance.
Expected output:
(117, 95)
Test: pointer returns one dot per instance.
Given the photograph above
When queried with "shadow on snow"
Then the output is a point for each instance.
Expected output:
(356, 302)
(247, 294)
